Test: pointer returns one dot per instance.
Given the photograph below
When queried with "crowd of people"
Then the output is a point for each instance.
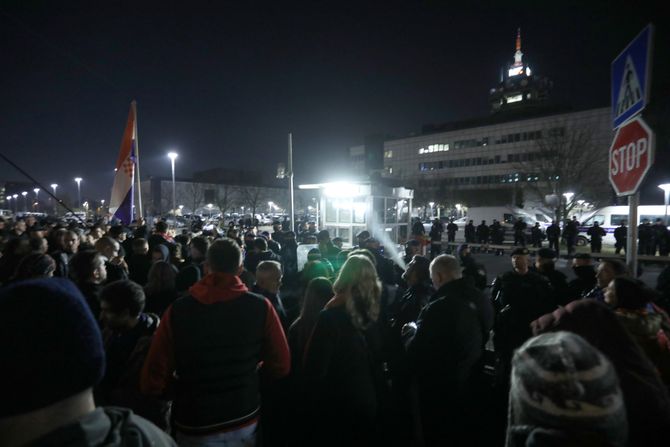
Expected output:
(117, 335)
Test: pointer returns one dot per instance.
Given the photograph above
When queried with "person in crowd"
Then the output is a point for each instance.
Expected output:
(160, 236)
(88, 271)
(445, 352)
(482, 232)
(289, 256)
(34, 266)
(608, 269)
(536, 235)
(418, 231)
(139, 261)
(258, 254)
(273, 245)
(470, 233)
(564, 392)
(361, 237)
(631, 301)
(435, 234)
(383, 264)
(597, 234)
(160, 289)
(620, 237)
(176, 256)
(520, 232)
(318, 292)
(57, 251)
(277, 233)
(645, 396)
(519, 297)
(663, 288)
(338, 242)
(12, 254)
(127, 333)
(18, 231)
(418, 293)
(553, 233)
(94, 234)
(343, 369)
(570, 231)
(645, 237)
(116, 266)
(161, 252)
(38, 245)
(452, 228)
(194, 268)
(327, 249)
(661, 238)
(48, 319)
(585, 276)
(119, 234)
(472, 269)
(545, 265)
(268, 283)
(497, 233)
(217, 384)
(37, 231)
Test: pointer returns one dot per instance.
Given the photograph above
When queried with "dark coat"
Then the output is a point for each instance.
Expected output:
(138, 268)
(583, 283)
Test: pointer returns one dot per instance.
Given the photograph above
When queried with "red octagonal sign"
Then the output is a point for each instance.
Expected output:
(631, 156)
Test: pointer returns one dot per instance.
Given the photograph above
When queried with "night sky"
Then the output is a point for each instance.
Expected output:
(223, 85)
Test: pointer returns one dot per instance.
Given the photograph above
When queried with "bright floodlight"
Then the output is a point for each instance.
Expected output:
(24, 193)
(36, 190)
(568, 195)
(78, 179)
(54, 185)
(432, 204)
(172, 155)
(9, 197)
(209, 205)
(15, 196)
(665, 187)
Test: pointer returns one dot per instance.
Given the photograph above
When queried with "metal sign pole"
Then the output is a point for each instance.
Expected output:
(631, 242)
(290, 176)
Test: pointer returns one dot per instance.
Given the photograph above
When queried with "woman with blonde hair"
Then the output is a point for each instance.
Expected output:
(343, 371)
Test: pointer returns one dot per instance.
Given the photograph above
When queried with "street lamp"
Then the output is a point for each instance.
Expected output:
(173, 156)
(54, 186)
(9, 202)
(37, 198)
(209, 207)
(432, 204)
(25, 201)
(666, 190)
(78, 180)
(16, 203)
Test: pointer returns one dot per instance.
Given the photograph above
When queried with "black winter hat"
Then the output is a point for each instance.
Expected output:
(50, 344)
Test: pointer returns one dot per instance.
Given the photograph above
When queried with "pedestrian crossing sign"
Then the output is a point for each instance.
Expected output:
(631, 76)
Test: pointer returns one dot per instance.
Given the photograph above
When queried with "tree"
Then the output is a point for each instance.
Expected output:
(225, 197)
(565, 159)
(194, 194)
(252, 197)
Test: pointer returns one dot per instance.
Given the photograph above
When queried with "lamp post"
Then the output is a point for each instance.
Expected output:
(54, 186)
(568, 197)
(666, 192)
(432, 204)
(25, 201)
(173, 156)
(78, 180)
(209, 207)
(37, 198)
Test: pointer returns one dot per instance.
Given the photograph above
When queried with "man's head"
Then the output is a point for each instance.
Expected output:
(623, 223)
(311, 226)
(276, 227)
(417, 271)
(38, 245)
(520, 260)
(160, 252)
(608, 269)
(412, 247)
(51, 341)
(596, 224)
(362, 236)
(268, 276)
(338, 242)
(117, 232)
(161, 227)
(88, 266)
(140, 246)
(198, 248)
(581, 259)
(545, 259)
(20, 226)
(260, 245)
(444, 269)
(71, 242)
(323, 237)
(30, 221)
(224, 256)
(483, 222)
(121, 303)
(96, 232)
(107, 247)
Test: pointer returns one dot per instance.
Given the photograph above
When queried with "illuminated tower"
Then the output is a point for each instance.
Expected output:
(519, 89)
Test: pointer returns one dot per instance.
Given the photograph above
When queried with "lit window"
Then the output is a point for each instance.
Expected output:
(388, 154)
(515, 98)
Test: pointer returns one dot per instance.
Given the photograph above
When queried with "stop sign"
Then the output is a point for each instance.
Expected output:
(631, 156)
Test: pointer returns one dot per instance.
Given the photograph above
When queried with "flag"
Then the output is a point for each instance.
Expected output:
(121, 203)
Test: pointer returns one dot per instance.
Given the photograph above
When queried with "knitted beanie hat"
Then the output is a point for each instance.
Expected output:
(50, 345)
(561, 382)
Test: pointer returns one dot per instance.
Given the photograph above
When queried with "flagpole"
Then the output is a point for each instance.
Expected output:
(137, 161)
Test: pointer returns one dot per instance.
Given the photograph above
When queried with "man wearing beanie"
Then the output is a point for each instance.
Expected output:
(53, 356)
(564, 392)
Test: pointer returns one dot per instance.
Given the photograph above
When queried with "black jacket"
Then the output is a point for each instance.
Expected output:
(583, 283)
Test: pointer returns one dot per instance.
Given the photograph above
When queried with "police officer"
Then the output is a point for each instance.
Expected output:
(536, 235)
(620, 236)
(452, 228)
(570, 231)
(519, 232)
(435, 234)
(553, 236)
(661, 238)
(597, 234)
(482, 234)
(519, 297)
(470, 233)
(545, 266)
(645, 236)
(497, 233)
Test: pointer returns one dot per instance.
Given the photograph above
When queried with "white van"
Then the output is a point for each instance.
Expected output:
(610, 217)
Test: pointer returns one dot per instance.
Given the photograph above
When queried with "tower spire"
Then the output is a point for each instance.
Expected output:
(518, 39)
